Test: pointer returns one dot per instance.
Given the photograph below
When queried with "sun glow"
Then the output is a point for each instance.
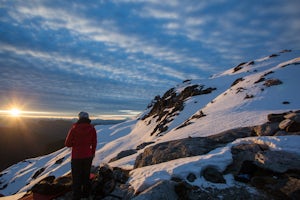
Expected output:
(15, 112)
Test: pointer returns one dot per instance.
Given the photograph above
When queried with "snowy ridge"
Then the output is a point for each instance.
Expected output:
(239, 97)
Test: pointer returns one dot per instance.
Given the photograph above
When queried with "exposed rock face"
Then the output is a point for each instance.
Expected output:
(51, 186)
(272, 82)
(286, 123)
(123, 154)
(213, 175)
(270, 171)
(187, 147)
(166, 107)
(267, 129)
(278, 161)
(233, 134)
(238, 67)
(143, 145)
(167, 151)
(163, 190)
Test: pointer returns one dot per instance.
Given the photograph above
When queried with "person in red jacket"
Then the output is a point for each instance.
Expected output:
(82, 138)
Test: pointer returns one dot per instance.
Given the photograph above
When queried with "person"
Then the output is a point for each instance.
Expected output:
(82, 139)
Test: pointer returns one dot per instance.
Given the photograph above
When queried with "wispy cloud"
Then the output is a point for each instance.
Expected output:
(127, 51)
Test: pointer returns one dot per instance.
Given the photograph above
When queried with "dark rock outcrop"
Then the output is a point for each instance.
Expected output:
(238, 67)
(143, 145)
(161, 190)
(271, 171)
(171, 150)
(272, 82)
(123, 154)
(166, 107)
(213, 175)
(286, 123)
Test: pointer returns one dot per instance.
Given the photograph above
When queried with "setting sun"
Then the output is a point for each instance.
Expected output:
(15, 112)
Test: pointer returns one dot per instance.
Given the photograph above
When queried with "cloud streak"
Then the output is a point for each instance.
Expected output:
(117, 55)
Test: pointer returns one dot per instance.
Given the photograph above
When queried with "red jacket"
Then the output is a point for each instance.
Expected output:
(83, 140)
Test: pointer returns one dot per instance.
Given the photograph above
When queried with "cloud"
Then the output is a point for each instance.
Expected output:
(119, 48)
(106, 32)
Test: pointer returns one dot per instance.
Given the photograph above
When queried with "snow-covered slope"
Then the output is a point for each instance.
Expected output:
(239, 97)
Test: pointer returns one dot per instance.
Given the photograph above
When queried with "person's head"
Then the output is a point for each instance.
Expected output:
(83, 117)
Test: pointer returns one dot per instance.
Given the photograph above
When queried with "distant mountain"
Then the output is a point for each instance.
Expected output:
(197, 139)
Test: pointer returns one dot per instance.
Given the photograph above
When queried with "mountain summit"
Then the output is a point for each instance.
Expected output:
(235, 133)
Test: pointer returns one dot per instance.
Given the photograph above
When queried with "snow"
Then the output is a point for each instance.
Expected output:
(220, 158)
(14, 197)
(225, 109)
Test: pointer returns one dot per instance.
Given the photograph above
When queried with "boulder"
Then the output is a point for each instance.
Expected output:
(290, 116)
(285, 123)
(274, 172)
(242, 153)
(233, 134)
(123, 154)
(276, 117)
(52, 186)
(163, 190)
(143, 145)
(293, 127)
(213, 175)
(277, 161)
(266, 129)
(171, 150)
(272, 82)
(191, 177)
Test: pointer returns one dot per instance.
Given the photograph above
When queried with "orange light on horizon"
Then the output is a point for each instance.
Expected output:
(15, 112)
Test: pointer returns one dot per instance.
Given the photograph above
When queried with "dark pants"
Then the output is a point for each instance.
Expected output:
(81, 177)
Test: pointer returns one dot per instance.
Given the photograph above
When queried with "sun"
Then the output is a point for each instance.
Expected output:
(15, 112)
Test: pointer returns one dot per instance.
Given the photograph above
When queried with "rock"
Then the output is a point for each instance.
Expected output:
(191, 177)
(104, 183)
(297, 119)
(272, 82)
(183, 189)
(52, 186)
(242, 153)
(281, 133)
(279, 187)
(171, 150)
(275, 172)
(123, 154)
(293, 127)
(233, 134)
(237, 81)
(143, 145)
(246, 172)
(266, 129)
(277, 161)
(164, 108)
(285, 123)
(38, 172)
(231, 193)
(120, 175)
(163, 190)
(211, 174)
(290, 116)
(276, 117)
(238, 67)
(59, 161)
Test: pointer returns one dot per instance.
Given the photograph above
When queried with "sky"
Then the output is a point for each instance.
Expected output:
(111, 58)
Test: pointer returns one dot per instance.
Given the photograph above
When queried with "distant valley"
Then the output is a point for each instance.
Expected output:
(22, 138)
